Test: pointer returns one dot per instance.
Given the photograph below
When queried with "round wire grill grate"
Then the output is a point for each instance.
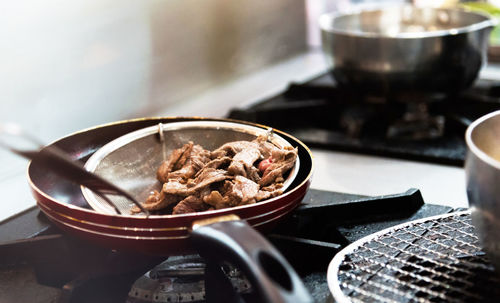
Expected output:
(436, 259)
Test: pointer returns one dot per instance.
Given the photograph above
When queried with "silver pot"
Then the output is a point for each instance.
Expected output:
(406, 48)
(482, 168)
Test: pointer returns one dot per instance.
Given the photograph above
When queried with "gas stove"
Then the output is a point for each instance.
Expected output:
(42, 263)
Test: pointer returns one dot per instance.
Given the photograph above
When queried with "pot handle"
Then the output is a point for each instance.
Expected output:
(233, 240)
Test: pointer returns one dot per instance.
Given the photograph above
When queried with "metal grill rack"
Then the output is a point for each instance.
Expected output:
(436, 259)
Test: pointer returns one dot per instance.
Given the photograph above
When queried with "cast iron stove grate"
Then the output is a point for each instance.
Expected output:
(37, 261)
(409, 126)
(431, 260)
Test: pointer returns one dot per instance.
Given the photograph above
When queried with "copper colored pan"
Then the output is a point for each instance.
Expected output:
(229, 239)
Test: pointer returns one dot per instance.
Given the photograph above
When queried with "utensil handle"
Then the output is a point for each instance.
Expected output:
(60, 162)
(272, 278)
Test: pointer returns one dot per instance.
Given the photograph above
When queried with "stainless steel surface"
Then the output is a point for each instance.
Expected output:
(405, 48)
(14, 139)
(436, 259)
(131, 161)
(482, 169)
(181, 279)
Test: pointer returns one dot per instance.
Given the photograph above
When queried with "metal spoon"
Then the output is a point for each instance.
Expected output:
(56, 160)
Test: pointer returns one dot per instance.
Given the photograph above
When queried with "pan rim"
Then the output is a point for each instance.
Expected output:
(276, 213)
(142, 237)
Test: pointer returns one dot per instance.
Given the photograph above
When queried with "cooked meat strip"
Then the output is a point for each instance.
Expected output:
(189, 205)
(205, 177)
(176, 156)
(244, 153)
(182, 174)
(282, 161)
(243, 191)
(195, 161)
(200, 156)
(266, 148)
(155, 197)
(244, 159)
(219, 153)
(272, 187)
(184, 156)
(157, 200)
(239, 191)
(217, 200)
(264, 195)
(232, 148)
(196, 179)
(219, 162)
(270, 191)
(253, 174)
(162, 172)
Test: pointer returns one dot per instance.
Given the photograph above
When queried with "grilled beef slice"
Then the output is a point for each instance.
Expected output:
(197, 180)
(282, 161)
(189, 205)
(197, 158)
(156, 201)
(176, 156)
(205, 177)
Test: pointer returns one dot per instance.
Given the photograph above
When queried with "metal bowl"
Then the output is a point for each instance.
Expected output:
(406, 48)
(482, 167)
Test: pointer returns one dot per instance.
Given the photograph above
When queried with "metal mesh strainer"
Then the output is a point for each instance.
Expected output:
(131, 161)
(436, 259)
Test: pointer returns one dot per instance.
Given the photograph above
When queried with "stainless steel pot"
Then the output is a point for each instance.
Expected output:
(482, 169)
(406, 48)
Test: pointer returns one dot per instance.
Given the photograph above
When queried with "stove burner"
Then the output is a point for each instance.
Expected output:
(417, 124)
(432, 260)
(180, 279)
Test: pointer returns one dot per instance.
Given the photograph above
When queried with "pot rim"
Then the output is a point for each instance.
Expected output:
(473, 147)
(325, 23)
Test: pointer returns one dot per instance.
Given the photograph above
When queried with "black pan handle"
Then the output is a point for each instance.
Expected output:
(232, 240)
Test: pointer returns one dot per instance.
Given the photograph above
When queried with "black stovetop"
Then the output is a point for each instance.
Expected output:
(324, 116)
(38, 262)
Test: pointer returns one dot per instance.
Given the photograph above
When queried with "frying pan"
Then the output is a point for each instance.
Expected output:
(228, 239)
